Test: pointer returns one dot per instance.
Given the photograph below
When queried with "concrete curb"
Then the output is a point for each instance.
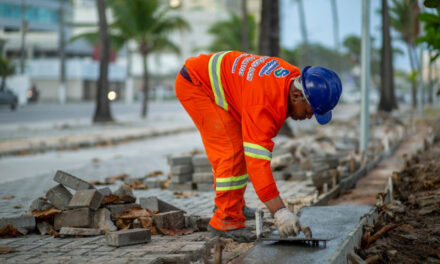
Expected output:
(93, 142)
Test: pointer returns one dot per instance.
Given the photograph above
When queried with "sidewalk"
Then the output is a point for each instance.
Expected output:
(19, 139)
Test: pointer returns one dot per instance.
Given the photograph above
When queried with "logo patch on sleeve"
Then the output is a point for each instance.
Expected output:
(281, 72)
(268, 68)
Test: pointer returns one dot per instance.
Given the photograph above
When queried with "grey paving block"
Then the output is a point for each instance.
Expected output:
(77, 231)
(181, 169)
(125, 194)
(203, 168)
(203, 177)
(128, 237)
(195, 221)
(169, 219)
(200, 160)
(187, 186)
(117, 209)
(71, 181)
(155, 182)
(102, 220)
(105, 191)
(155, 204)
(182, 178)
(90, 198)
(281, 161)
(59, 196)
(205, 187)
(39, 204)
(24, 221)
(81, 217)
(179, 160)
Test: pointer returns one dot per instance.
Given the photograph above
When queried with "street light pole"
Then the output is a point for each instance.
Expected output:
(23, 38)
(62, 85)
(365, 77)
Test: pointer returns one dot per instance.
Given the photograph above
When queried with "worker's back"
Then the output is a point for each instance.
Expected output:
(245, 81)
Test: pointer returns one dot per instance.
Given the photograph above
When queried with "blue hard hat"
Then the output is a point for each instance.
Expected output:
(322, 88)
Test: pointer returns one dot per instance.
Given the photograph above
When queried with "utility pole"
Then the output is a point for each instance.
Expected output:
(62, 54)
(23, 37)
(365, 77)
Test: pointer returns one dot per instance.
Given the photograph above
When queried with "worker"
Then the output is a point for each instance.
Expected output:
(238, 102)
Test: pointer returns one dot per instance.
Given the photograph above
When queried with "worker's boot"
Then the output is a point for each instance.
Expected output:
(248, 212)
(241, 235)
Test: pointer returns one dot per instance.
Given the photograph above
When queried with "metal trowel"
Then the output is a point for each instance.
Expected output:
(275, 236)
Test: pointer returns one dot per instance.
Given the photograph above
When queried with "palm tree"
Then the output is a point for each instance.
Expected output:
(404, 19)
(6, 69)
(244, 27)
(388, 100)
(228, 34)
(102, 112)
(269, 40)
(148, 24)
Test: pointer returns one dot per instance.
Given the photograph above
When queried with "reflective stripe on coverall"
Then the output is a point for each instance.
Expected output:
(238, 102)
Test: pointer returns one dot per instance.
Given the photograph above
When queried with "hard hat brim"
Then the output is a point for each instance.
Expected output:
(324, 118)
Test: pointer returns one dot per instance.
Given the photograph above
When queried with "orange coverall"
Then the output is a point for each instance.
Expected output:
(238, 102)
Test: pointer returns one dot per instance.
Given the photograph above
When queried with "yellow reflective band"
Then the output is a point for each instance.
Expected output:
(214, 69)
(233, 178)
(230, 187)
(256, 151)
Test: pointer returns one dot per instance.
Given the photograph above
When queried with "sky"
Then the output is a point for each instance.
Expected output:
(319, 24)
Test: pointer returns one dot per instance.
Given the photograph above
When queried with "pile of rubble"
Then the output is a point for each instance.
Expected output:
(90, 212)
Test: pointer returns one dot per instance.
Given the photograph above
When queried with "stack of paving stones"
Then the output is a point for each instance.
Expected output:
(203, 176)
(181, 173)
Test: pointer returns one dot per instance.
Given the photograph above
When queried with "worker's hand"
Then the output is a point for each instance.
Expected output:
(287, 223)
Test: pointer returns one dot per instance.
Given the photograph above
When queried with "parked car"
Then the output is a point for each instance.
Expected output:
(7, 97)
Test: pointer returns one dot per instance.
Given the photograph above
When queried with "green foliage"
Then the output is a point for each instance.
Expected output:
(431, 3)
(432, 32)
(403, 18)
(7, 68)
(147, 23)
(227, 34)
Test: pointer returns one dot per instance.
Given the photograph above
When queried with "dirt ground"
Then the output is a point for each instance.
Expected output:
(408, 229)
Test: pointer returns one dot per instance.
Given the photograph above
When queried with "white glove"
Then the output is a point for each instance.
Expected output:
(287, 223)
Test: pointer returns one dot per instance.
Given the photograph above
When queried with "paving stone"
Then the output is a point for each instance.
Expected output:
(203, 177)
(169, 219)
(179, 160)
(203, 168)
(155, 204)
(200, 160)
(125, 194)
(23, 221)
(156, 181)
(43, 228)
(86, 198)
(59, 196)
(181, 169)
(105, 191)
(39, 204)
(182, 178)
(81, 217)
(187, 186)
(102, 220)
(128, 237)
(117, 209)
(77, 231)
(205, 187)
(71, 181)
(195, 221)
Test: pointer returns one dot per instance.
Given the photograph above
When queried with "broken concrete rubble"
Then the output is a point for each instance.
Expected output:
(155, 204)
(102, 220)
(169, 219)
(125, 194)
(43, 228)
(117, 209)
(40, 204)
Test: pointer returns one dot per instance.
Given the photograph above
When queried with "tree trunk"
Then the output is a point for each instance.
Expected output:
(336, 33)
(62, 54)
(269, 40)
(244, 27)
(302, 21)
(145, 85)
(2, 87)
(412, 62)
(430, 81)
(387, 101)
(102, 112)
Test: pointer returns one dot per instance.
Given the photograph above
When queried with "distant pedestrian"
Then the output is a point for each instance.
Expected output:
(239, 102)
